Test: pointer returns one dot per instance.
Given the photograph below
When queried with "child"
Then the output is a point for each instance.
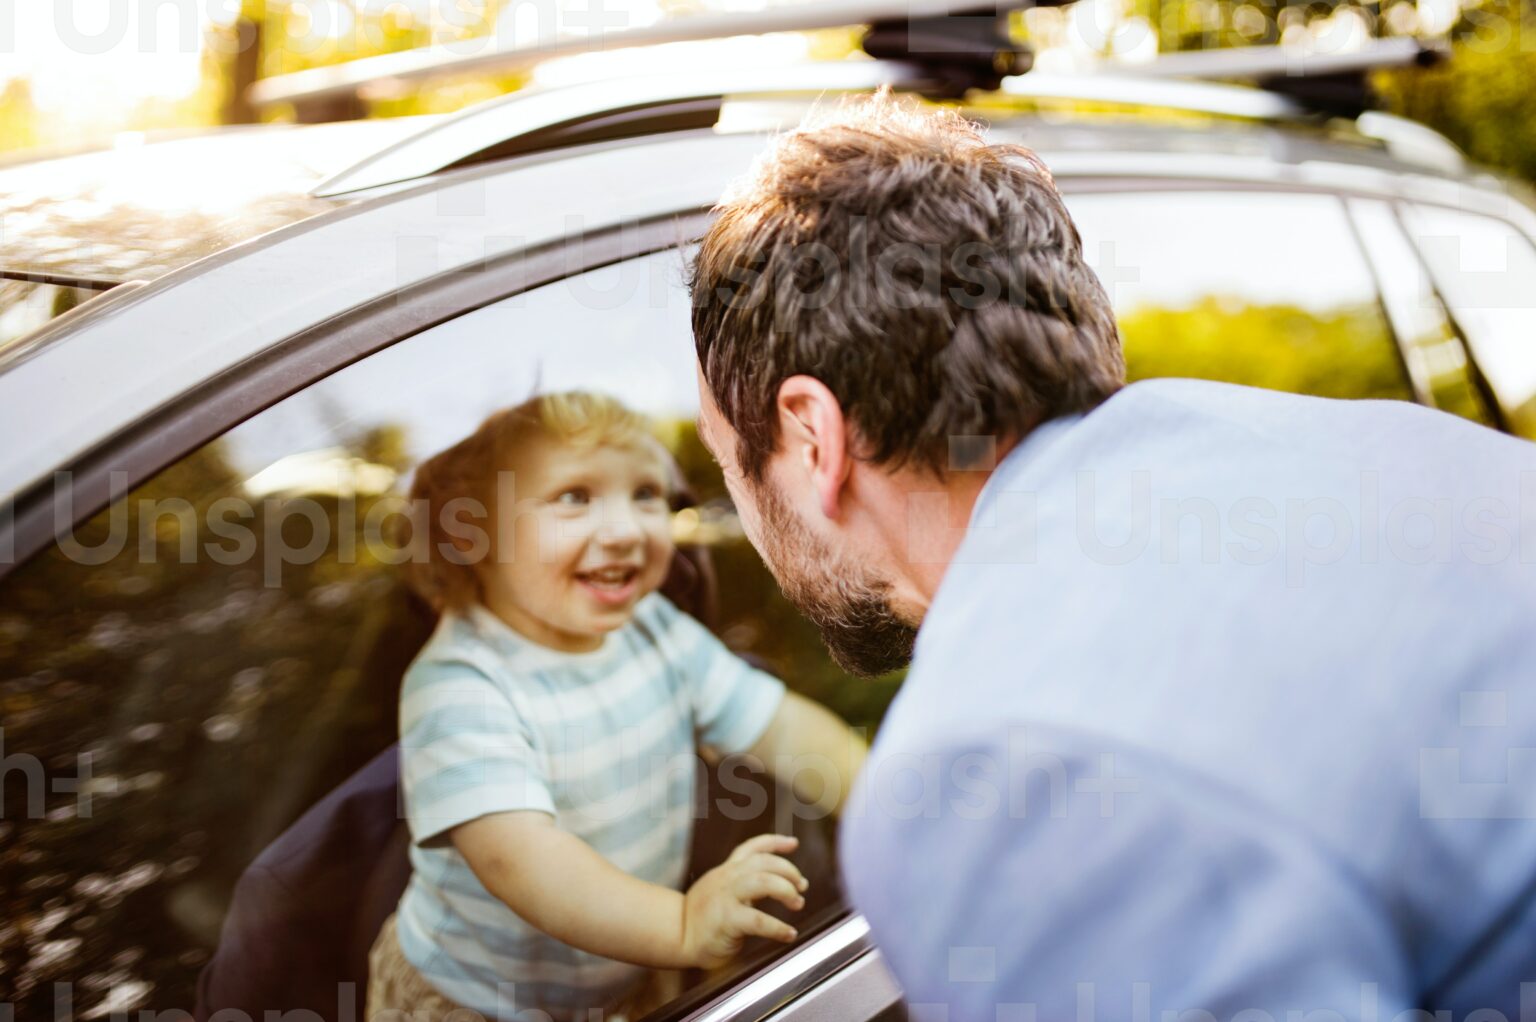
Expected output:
(548, 731)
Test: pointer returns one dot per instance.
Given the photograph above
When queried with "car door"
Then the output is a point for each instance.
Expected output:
(188, 669)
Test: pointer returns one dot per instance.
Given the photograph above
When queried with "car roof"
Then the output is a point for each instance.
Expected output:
(139, 210)
(138, 353)
(203, 320)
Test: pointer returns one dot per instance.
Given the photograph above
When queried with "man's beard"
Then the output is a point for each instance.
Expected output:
(848, 604)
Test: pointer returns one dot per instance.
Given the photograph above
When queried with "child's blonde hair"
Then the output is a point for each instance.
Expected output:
(437, 571)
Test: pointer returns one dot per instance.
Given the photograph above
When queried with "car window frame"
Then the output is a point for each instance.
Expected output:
(223, 401)
(303, 359)
(1397, 317)
(1526, 231)
(119, 463)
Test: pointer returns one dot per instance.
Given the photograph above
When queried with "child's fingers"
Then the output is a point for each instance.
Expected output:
(768, 885)
(764, 863)
(764, 843)
(751, 922)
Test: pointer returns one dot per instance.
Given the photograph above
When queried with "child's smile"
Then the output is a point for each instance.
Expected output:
(586, 536)
(612, 585)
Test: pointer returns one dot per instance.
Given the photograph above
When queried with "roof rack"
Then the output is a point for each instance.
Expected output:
(538, 119)
(1291, 82)
(966, 39)
(1322, 82)
(1132, 88)
(74, 280)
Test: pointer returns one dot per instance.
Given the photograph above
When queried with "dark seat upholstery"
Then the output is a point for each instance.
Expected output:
(291, 938)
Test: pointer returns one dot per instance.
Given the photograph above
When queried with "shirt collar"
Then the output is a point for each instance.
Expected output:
(524, 652)
(1016, 462)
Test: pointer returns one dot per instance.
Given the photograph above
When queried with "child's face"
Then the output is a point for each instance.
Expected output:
(589, 531)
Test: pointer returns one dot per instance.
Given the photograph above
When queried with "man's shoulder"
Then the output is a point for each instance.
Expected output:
(1228, 447)
(1245, 417)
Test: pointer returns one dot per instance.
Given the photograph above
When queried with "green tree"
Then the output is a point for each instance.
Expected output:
(1482, 99)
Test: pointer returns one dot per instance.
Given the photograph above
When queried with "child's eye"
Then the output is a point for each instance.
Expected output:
(648, 493)
(577, 496)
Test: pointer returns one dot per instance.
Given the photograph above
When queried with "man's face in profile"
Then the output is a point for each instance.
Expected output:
(846, 601)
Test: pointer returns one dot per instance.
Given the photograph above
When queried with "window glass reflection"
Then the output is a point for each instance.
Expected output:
(1268, 290)
(1435, 353)
(224, 645)
(1487, 272)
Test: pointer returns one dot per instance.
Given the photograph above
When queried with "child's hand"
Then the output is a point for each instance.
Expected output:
(718, 915)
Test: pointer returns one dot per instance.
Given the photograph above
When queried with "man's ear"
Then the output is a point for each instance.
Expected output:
(812, 428)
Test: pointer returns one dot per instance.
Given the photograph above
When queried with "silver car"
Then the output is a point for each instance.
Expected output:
(202, 630)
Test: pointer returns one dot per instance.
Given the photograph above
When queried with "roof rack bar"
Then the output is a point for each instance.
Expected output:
(972, 50)
(486, 54)
(1132, 89)
(1273, 64)
(1335, 84)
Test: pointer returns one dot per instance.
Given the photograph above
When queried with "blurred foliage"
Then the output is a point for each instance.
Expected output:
(1483, 98)
(214, 704)
(1344, 352)
(288, 43)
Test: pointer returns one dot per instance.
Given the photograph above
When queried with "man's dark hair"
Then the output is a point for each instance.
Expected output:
(935, 284)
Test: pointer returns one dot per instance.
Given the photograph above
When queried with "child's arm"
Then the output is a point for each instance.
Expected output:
(560, 884)
(802, 742)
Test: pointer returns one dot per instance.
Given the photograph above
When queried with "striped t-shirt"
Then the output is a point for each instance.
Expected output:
(604, 741)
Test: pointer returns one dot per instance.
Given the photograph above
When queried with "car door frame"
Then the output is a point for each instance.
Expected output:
(1521, 220)
(1479, 201)
(113, 396)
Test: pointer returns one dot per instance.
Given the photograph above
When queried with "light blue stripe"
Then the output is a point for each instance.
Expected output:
(507, 783)
(654, 786)
(748, 715)
(672, 751)
(661, 685)
(448, 722)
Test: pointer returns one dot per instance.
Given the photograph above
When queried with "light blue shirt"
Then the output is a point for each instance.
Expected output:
(603, 741)
(1228, 704)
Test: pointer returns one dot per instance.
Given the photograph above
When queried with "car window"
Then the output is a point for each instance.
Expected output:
(1435, 353)
(1486, 269)
(1263, 289)
(223, 645)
